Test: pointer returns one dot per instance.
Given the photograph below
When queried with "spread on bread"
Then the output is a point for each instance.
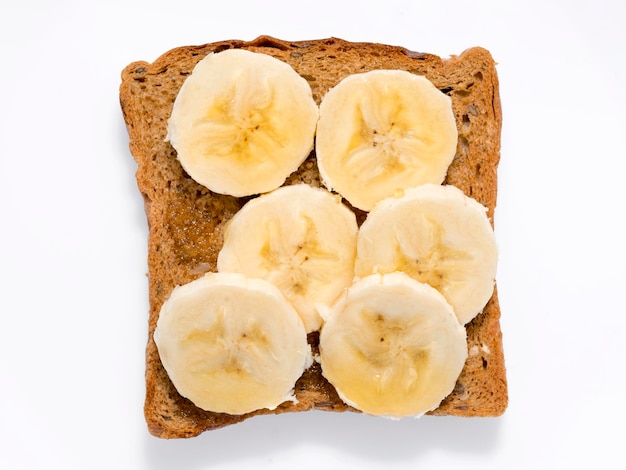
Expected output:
(395, 293)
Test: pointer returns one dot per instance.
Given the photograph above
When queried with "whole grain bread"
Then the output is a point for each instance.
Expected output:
(186, 220)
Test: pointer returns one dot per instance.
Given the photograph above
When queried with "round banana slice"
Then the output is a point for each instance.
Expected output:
(301, 239)
(437, 235)
(384, 131)
(392, 346)
(230, 344)
(242, 122)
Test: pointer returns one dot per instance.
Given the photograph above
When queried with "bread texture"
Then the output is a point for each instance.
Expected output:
(186, 220)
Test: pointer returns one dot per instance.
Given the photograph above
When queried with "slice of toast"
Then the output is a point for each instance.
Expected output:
(186, 220)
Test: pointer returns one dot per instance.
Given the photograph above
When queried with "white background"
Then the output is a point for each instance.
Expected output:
(73, 237)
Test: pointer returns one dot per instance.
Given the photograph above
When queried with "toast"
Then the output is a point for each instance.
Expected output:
(186, 220)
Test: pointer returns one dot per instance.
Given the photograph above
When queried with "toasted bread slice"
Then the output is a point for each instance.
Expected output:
(186, 220)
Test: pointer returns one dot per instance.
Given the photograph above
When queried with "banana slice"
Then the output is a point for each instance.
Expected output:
(230, 344)
(242, 122)
(384, 131)
(392, 346)
(301, 239)
(437, 235)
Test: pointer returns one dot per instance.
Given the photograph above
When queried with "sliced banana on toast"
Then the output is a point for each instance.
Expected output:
(392, 346)
(384, 131)
(437, 235)
(242, 122)
(301, 239)
(393, 295)
(230, 344)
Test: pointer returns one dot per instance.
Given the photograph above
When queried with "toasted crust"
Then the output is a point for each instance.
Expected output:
(186, 220)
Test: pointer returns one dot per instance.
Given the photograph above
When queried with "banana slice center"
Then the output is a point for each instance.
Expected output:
(300, 263)
(379, 147)
(240, 126)
(234, 349)
(429, 258)
(391, 350)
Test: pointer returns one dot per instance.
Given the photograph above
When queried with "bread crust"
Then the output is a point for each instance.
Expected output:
(186, 220)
